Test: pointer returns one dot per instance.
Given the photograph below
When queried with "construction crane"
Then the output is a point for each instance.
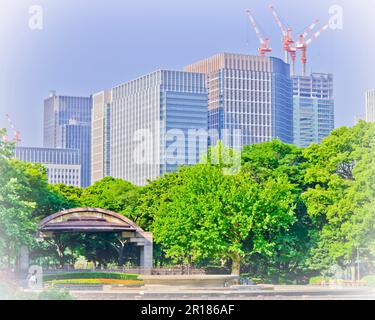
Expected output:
(302, 37)
(16, 133)
(293, 56)
(309, 29)
(264, 41)
(303, 43)
(287, 39)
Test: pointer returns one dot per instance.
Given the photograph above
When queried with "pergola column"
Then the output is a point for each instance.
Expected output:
(146, 254)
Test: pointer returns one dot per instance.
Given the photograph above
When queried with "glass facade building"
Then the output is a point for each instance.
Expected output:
(67, 124)
(154, 123)
(370, 106)
(100, 135)
(63, 165)
(313, 108)
(250, 94)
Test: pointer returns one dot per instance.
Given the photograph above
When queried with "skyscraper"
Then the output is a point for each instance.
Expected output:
(370, 106)
(100, 149)
(248, 93)
(154, 122)
(67, 124)
(313, 108)
(63, 165)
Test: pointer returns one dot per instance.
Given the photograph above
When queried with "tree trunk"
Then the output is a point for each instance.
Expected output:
(61, 260)
(60, 249)
(236, 264)
(121, 258)
(60, 253)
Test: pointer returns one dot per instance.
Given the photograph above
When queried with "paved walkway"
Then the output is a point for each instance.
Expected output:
(279, 293)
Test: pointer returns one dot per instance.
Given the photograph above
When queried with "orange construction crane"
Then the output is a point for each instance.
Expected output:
(302, 37)
(287, 37)
(293, 56)
(264, 41)
(303, 43)
(16, 133)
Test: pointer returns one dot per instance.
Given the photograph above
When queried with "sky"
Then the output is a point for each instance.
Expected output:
(86, 46)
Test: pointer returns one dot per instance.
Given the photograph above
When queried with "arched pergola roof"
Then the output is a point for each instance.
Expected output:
(88, 220)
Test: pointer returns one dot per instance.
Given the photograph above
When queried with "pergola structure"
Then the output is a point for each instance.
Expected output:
(94, 220)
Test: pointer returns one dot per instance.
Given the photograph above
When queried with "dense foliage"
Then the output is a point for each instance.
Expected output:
(287, 213)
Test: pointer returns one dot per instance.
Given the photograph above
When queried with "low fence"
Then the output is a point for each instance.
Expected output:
(176, 271)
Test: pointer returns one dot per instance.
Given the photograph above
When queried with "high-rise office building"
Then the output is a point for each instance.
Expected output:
(67, 124)
(100, 137)
(154, 123)
(249, 94)
(63, 165)
(313, 108)
(370, 106)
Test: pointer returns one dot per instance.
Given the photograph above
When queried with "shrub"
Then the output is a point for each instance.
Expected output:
(54, 294)
(90, 275)
(318, 280)
(369, 280)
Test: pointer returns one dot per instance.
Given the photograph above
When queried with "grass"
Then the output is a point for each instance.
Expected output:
(128, 283)
(369, 280)
(318, 280)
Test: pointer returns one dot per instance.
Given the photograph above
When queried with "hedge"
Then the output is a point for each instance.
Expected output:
(318, 280)
(90, 275)
(98, 281)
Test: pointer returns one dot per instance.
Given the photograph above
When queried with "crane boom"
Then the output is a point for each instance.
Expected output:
(303, 45)
(283, 29)
(287, 36)
(255, 26)
(264, 41)
(290, 46)
(317, 34)
(17, 135)
(310, 28)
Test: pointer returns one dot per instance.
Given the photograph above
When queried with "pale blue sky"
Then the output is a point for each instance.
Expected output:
(90, 45)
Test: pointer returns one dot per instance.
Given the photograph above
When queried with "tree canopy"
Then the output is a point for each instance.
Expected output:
(341, 196)
(274, 210)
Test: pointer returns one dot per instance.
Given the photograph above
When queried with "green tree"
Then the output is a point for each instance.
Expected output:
(17, 227)
(71, 195)
(108, 193)
(272, 160)
(342, 192)
(212, 215)
(149, 199)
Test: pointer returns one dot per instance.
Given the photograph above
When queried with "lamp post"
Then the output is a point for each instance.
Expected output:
(358, 264)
